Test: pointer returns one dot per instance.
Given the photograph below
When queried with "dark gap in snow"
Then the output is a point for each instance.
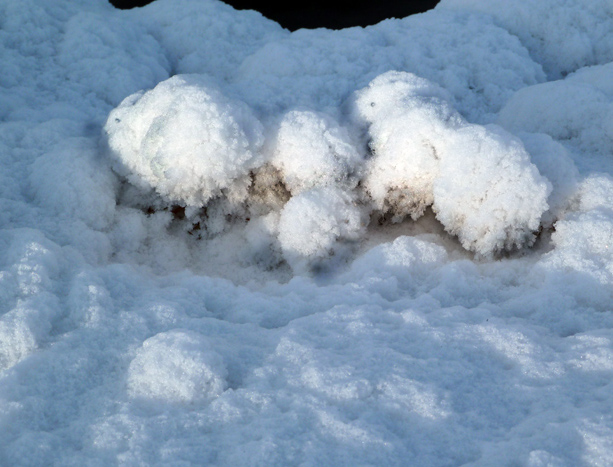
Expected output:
(320, 13)
(129, 4)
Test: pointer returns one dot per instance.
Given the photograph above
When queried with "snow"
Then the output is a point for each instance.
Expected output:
(561, 35)
(312, 150)
(176, 366)
(479, 180)
(311, 223)
(222, 243)
(577, 110)
(184, 139)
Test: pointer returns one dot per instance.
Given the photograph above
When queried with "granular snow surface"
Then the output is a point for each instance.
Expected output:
(222, 243)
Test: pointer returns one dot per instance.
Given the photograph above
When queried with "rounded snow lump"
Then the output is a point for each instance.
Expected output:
(311, 149)
(177, 366)
(479, 180)
(185, 139)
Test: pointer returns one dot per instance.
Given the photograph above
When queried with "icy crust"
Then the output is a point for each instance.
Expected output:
(384, 364)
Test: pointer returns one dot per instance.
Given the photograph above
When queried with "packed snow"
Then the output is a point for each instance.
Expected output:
(222, 243)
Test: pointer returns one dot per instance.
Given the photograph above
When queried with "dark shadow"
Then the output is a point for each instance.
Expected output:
(319, 13)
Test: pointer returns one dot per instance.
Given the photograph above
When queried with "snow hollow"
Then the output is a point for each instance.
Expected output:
(222, 243)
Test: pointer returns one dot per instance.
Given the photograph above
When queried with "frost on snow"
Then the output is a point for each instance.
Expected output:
(222, 243)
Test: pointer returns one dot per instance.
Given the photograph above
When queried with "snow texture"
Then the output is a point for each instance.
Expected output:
(176, 366)
(479, 180)
(184, 139)
(222, 243)
(561, 35)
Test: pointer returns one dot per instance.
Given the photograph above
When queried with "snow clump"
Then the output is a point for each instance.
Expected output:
(176, 366)
(576, 111)
(312, 223)
(319, 164)
(186, 140)
(479, 179)
(488, 193)
(404, 114)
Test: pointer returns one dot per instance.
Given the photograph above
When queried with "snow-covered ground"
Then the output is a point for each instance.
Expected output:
(222, 243)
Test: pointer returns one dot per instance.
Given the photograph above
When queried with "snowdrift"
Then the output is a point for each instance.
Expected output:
(222, 243)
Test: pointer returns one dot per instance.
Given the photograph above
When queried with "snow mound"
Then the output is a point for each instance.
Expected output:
(584, 239)
(310, 149)
(576, 111)
(115, 57)
(488, 193)
(561, 35)
(554, 163)
(219, 39)
(242, 293)
(186, 140)
(176, 366)
(479, 180)
(478, 62)
(197, 148)
(312, 224)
